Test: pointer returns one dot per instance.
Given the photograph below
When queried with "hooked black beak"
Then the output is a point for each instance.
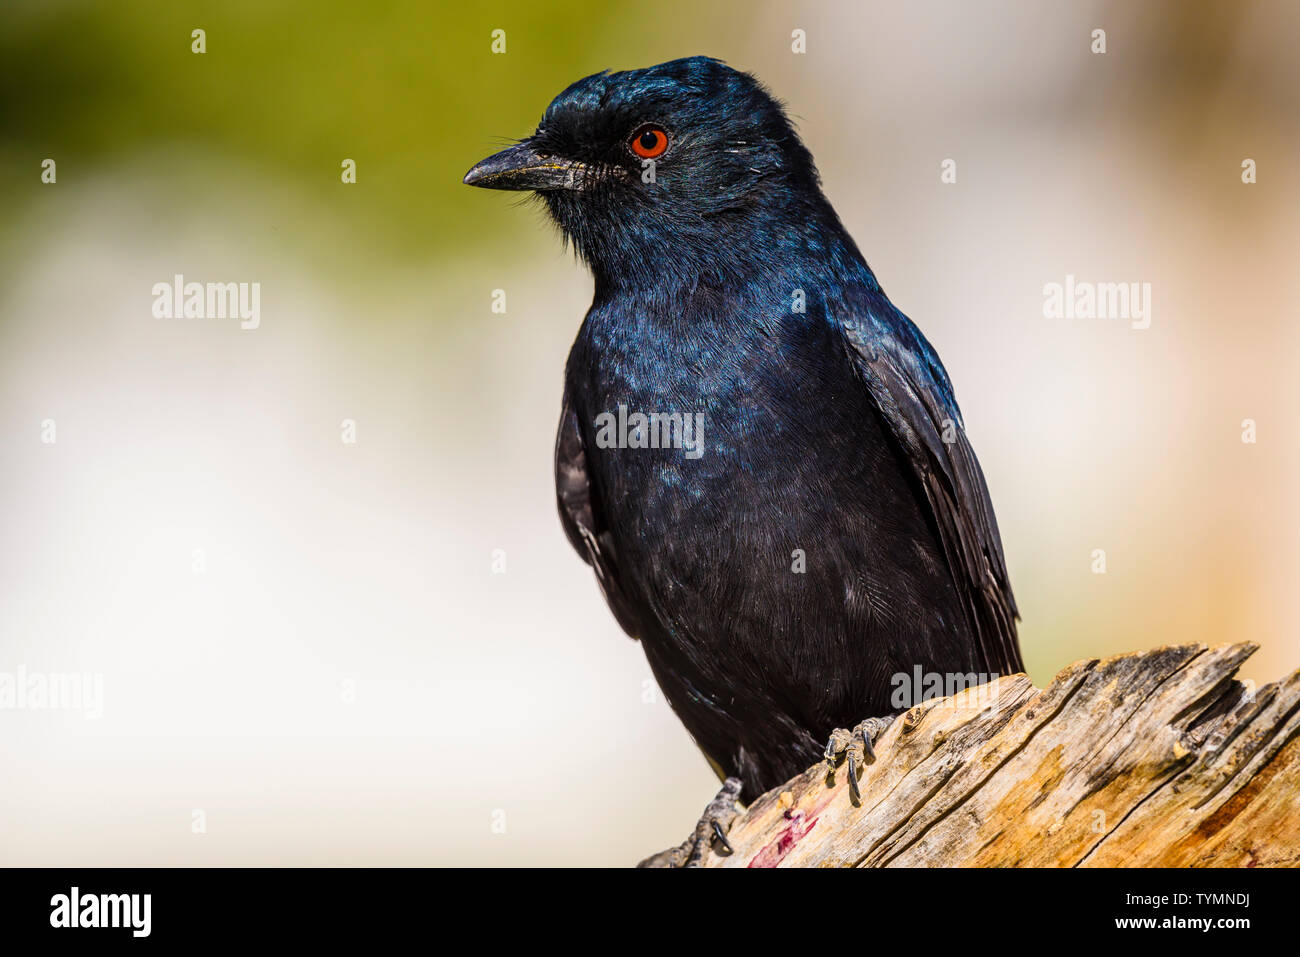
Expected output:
(523, 167)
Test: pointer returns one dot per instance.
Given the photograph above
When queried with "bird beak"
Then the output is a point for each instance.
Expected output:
(523, 167)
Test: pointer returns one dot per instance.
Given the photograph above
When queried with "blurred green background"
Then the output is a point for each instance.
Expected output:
(408, 90)
(348, 680)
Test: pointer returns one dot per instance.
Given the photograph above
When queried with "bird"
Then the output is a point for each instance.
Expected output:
(760, 456)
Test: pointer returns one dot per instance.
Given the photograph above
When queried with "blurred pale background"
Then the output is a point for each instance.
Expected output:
(486, 702)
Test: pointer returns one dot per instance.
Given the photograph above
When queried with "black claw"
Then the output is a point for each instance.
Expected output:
(855, 795)
(868, 752)
(720, 836)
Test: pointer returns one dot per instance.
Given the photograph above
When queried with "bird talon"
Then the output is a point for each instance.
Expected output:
(712, 826)
(836, 745)
(858, 748)
(720, 836)
(868, 731)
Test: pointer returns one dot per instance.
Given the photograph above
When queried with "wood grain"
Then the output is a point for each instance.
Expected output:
(1155, 758)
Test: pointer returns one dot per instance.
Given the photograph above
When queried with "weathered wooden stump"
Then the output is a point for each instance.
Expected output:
(1156, 758)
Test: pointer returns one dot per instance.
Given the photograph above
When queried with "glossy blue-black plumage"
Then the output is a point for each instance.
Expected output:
(726, 285)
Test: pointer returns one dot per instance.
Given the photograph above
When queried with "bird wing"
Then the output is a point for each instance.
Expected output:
(910, 387)
(581, 515)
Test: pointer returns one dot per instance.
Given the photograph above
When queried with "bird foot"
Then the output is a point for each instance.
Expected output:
(712, 826)
(855, 747)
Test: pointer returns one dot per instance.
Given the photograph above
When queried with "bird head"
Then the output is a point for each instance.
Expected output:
(673, 165)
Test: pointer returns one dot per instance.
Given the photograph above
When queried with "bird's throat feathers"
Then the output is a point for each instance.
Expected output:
(764, 236)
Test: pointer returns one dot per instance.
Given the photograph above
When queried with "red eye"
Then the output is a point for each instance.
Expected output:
(648, 142)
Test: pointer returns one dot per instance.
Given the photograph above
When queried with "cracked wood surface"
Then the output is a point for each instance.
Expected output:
(1157, 758)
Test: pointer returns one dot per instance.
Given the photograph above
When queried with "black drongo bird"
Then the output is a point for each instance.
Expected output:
(796, 516)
